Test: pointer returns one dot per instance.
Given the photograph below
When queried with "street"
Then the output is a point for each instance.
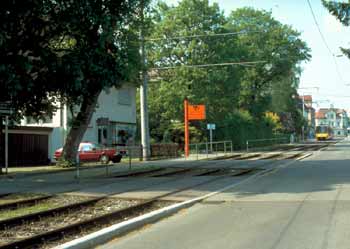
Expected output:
(304, 205)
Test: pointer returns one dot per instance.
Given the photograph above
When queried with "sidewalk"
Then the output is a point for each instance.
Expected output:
(20, 172)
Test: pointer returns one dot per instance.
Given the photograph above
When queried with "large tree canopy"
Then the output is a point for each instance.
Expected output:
(244, 92)
(66, 50)
(341, 10)
(217, 87)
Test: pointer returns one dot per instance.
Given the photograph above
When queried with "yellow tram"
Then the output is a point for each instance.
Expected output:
(324, 132)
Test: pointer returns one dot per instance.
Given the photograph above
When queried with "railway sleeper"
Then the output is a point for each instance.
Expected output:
(5, 224)
(34, 241)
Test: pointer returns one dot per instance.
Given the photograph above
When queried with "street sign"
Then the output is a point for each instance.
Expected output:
(211, 126)
(196, 112)
(191, 112)
(5, 109)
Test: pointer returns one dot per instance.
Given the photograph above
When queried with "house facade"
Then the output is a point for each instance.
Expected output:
(113, 123)
(308, 114)
(335, 118)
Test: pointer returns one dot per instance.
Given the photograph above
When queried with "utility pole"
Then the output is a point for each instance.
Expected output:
(303, 128)
(143, 93)
(187, 133)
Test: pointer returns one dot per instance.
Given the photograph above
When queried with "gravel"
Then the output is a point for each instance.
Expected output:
(54, 202)
(18, 197)
(70, 217)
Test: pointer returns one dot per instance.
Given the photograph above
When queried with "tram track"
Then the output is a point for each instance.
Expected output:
(38, 239)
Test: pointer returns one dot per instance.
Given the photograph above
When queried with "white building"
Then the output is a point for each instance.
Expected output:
(113, 123)
(337, 119)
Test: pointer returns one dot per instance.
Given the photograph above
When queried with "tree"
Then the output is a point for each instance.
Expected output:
(282, 49)
(105, 54)
(216, 87)
(229, 92)
(341, 11)
(25, 79)
(68, 51)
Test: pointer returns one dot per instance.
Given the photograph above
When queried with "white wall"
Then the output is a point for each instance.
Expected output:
(112, 104)
(114, 107)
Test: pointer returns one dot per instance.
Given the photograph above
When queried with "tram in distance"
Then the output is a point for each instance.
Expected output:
(324, 132)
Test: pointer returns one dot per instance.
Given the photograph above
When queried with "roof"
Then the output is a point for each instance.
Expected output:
(320, 114)
(306, 97)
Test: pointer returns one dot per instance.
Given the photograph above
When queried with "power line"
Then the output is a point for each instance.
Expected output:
(324, 41)
(203, 35)
(244, 63)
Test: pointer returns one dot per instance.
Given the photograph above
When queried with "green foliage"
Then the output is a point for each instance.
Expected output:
(280, 46)
(65, 50)
(341, 11)
(25, 79)
(236, 95)
(217, 87)
(241, 126)
(65, 163)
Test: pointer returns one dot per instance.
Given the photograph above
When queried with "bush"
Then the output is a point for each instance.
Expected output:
(241, 126)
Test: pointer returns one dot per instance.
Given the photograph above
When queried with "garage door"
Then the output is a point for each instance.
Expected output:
(26, 149)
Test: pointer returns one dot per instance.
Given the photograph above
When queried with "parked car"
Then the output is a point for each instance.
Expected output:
(89, 152)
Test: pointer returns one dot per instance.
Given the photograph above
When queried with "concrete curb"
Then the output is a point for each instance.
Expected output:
(106, 234)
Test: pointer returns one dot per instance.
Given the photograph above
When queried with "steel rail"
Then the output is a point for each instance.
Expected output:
(24, 202)
(4, 224)
(33, 241)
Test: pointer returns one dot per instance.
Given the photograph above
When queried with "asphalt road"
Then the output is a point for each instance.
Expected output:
(305, 205)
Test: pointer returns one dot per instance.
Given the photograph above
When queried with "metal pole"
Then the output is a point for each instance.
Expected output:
(129, 153)
(187, 133)
(143, 94)
(77, 167)
(302, 129)
(211, 139)
(247, 143)
(225, 147)
(6, 144)
(206, 148)
(231, 146)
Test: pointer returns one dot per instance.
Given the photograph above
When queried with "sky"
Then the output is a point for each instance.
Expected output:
(320, 77)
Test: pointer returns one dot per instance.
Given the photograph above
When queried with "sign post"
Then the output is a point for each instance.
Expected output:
(211, 127)
(191, 112)
(6, 110)
(6, 144)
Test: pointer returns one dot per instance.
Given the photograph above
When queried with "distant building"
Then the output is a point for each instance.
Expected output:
(113, 123)
(309, 114)
(336, 118)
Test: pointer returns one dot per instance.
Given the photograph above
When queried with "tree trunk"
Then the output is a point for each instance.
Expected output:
(79, 126)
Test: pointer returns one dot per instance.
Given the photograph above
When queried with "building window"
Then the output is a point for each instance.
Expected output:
(103, 136)
(47, 119)
(30, 120)
(124, 96)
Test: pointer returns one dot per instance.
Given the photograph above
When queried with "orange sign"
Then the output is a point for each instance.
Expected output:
(196, 112)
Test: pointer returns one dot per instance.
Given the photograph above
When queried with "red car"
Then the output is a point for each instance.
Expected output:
(93, 152)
